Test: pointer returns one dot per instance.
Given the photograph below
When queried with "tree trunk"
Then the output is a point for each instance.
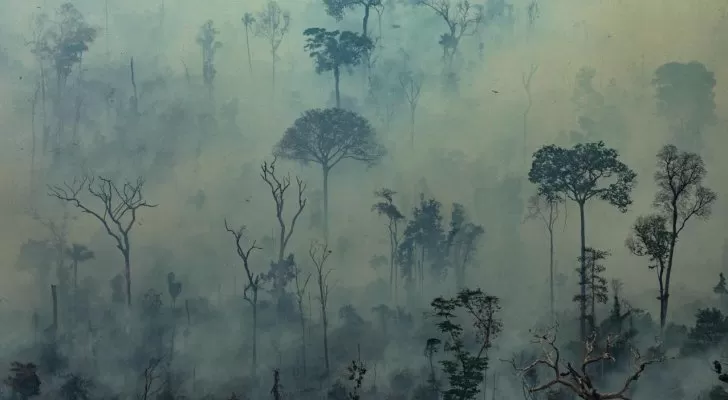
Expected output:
(303, 337)
(255, 334)
(365, 21)
(337, 79)
(247, 44)
(54, 299)
(412, 126)
(673, 242)
(551, 274)
(75, 275)
(326, 171)
(582, 275)
(325, 321)
(273, 73)
(127, 276)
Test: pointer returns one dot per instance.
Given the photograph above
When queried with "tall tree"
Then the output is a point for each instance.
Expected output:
(337, 9)
(680, 197)
(334, 50)
(462, 19)
(326, 137)
(272, 25)
(582, 173)
(252, 287)
(461, 243)
(526, 82)
(546, 208)
(385, 206)
(596, 284)
(319, 254)
(411, 84)
(117, 214)
(207, 39)
(248, 20)
(282, 269)
(78, 253)
(301, 284)
(684, 93)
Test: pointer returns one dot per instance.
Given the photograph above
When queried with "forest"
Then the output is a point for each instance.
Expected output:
(363, 199)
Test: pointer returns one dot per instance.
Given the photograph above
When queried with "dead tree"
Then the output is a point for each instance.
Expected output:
(462, 19)
(526, 81)
(578, 379)
(319, 253)
(301, 285)
(250, 292)
(117, 214)
(546, 208)
(149, 378)
(411, 84)
(278, 187)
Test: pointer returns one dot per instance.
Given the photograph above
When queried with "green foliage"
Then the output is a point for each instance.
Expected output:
(650, 238)
(469, 358)
(580, 173)
(423, 242)
(711, 329)
(461, 241)
(332, 50)
(594, 281)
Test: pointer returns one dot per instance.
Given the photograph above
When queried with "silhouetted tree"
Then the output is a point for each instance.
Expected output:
(248, 20)
(207, 39)
(466, 369)
(337, 9)
(78, 253)
(680, 197)
(387, 208)
(326, 137)
(301, 284)
(411, 84)
(546, 208)
(596, 284)
(334, 50)
(319, 254)
(720, 288)
(526, 82)
(118, 212)
(23, 380)
(250, 292)
(76, 387)
(462, 19)
(710, 330)
(174, 287)
(685, 97)
(580, 174)
(272, 25)
(461, 242)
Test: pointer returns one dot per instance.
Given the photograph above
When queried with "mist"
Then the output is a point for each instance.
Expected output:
(403, 199)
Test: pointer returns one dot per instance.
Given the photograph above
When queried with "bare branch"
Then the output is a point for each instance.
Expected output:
(244, 254)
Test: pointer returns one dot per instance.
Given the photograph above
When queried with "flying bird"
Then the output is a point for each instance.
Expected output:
(494, 91)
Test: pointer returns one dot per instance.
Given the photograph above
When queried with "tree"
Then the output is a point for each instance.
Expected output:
(207, 39)
(684, 94)
(720, 288)
(281, 272)
(334, 50)
(411, 84)
(387, 208)
(526, 82)
(250, 292)
(76, 387)
(337, 9)
(596, 284)
(466, 368)
(24, 381)
(272, 25)
(423, 242)
(326, 137)
(680, 197)
(118, 213)
(248, 20)
(462, 19)
(174, 287)
(78, 253)
(461, 242)
(582, 173)
(301, 284)
(319, 254)
(576, 379)
(547, 209)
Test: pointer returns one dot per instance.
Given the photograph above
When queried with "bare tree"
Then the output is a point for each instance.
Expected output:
(272, 25)
(578, 381)
(526, 81)
(462, 19)
(278, 187)
(319, 253)
(250, 292)
(118, 212)
(301, 284)
(546, 208)
(411, 84)
(248, 20)
(387, 208)
(149, 378)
